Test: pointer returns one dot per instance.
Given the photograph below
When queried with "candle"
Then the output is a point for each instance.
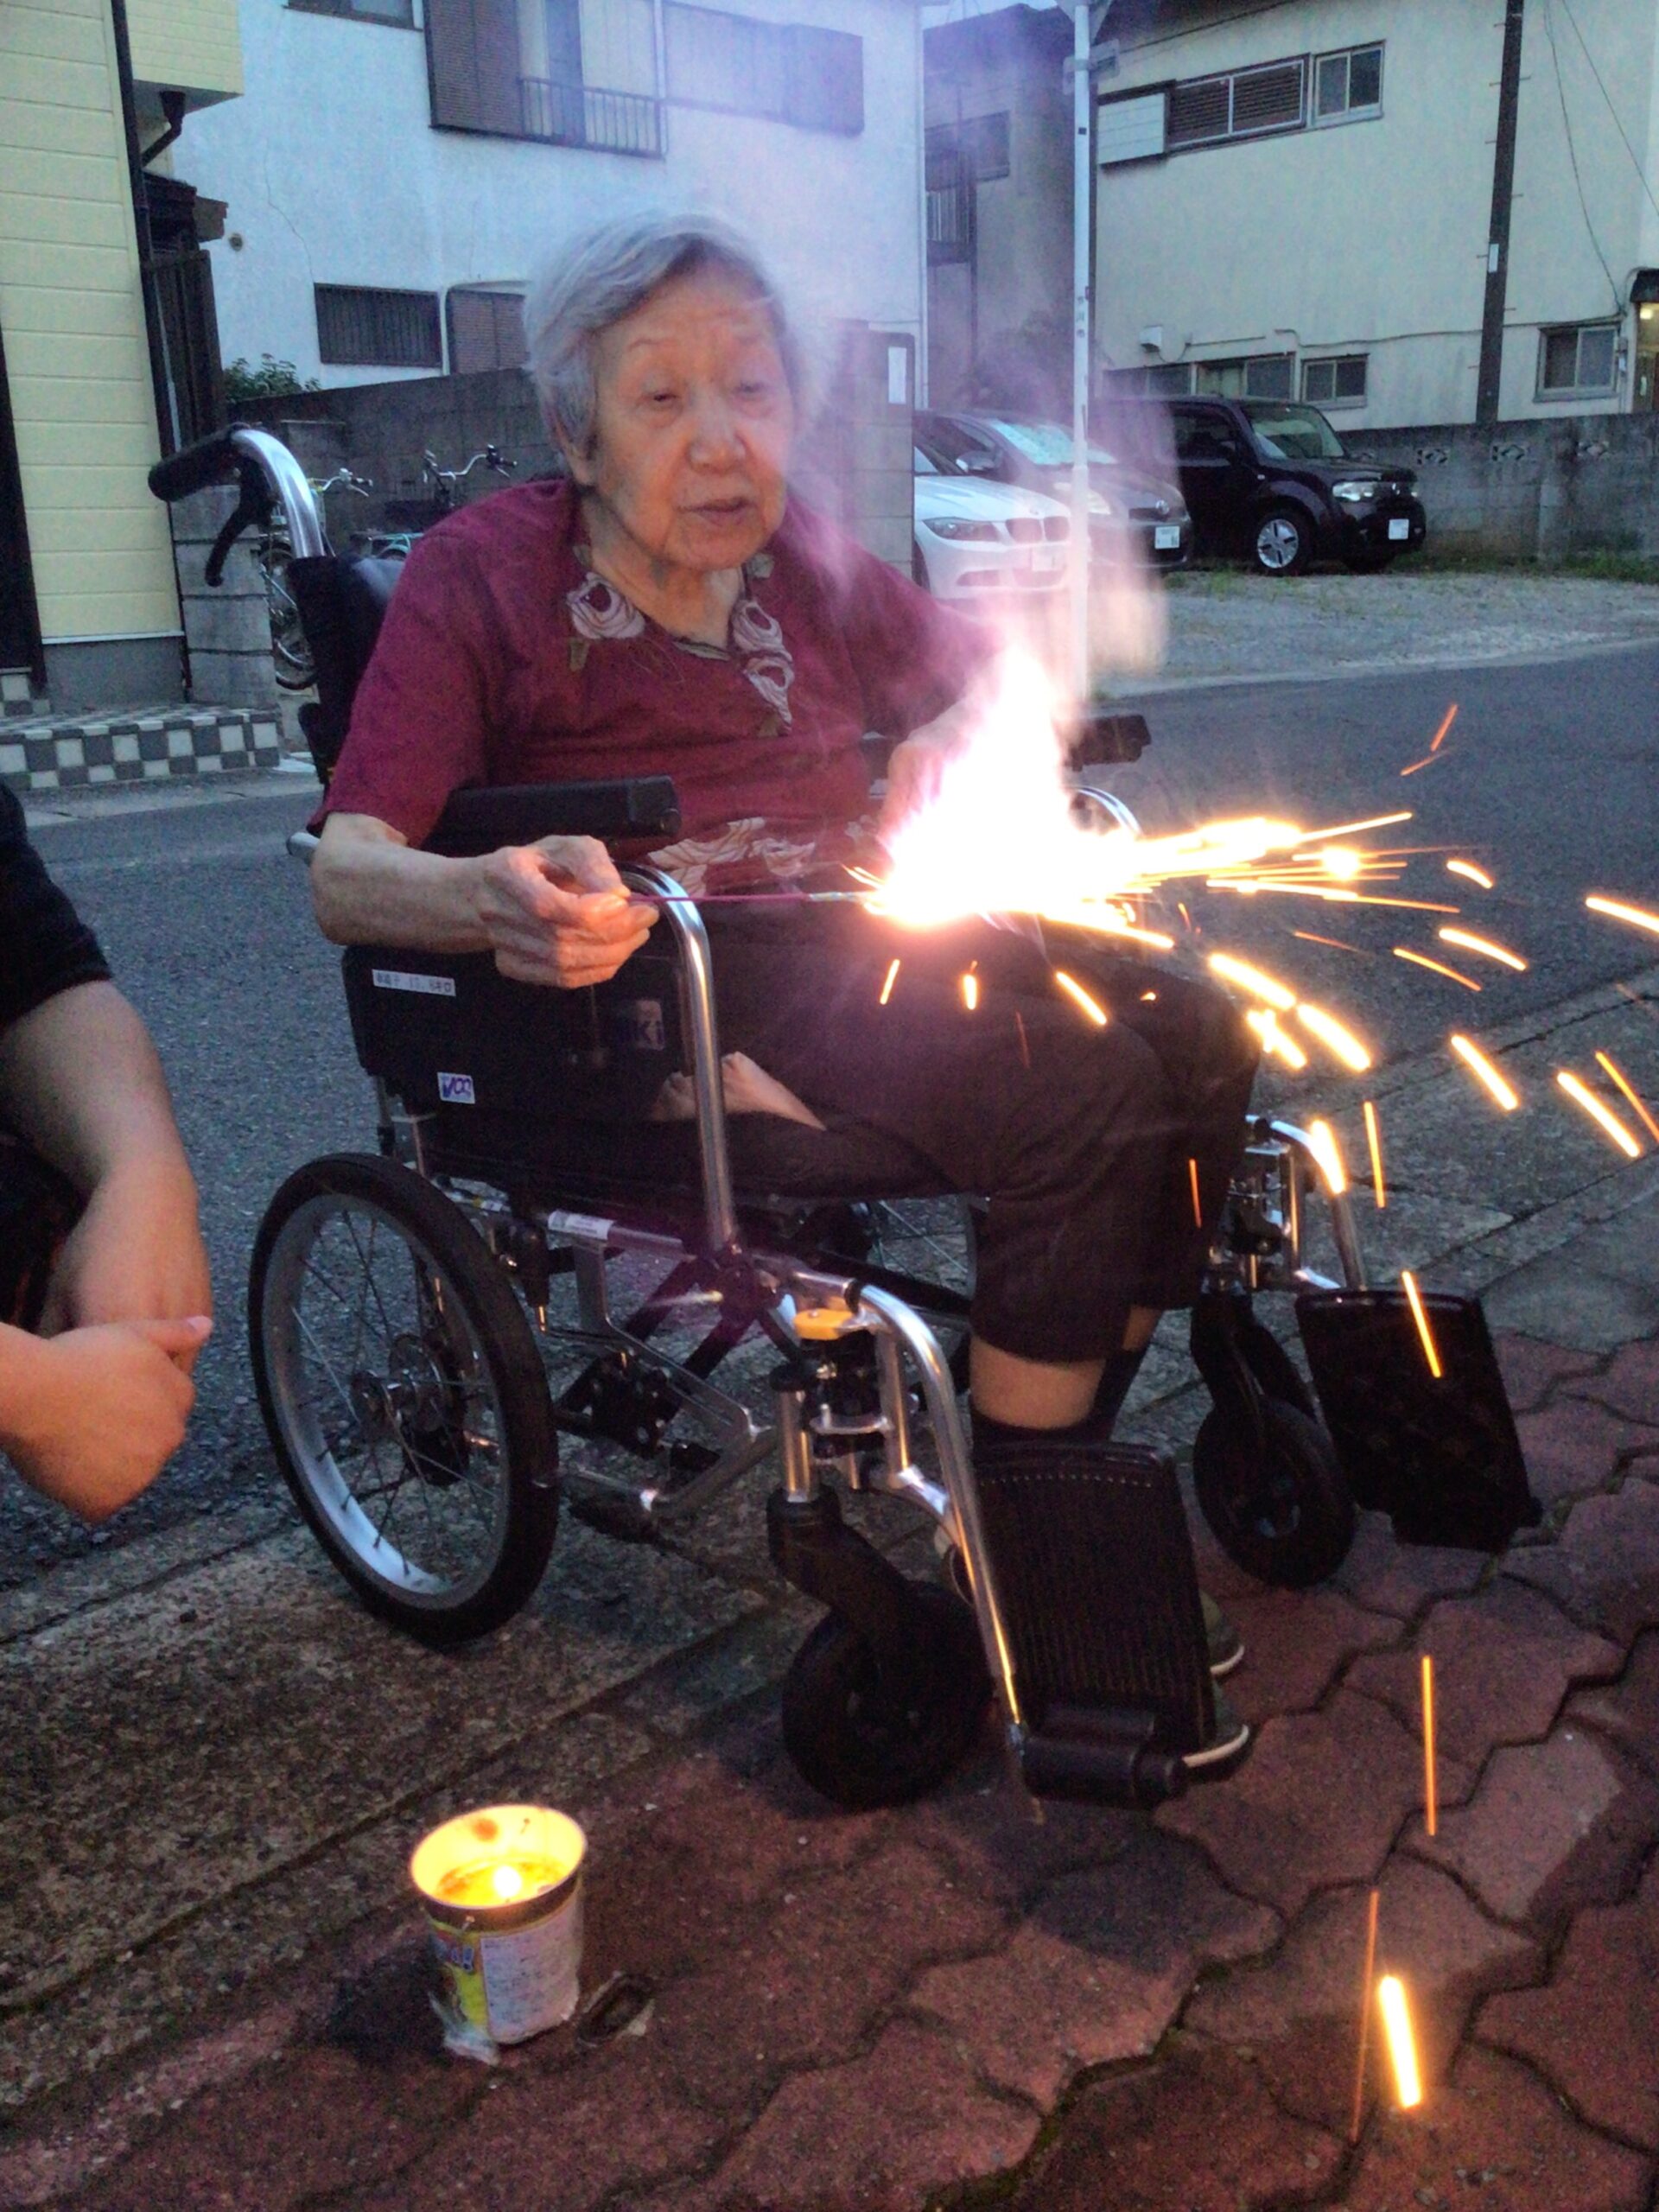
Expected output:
(502, 1889)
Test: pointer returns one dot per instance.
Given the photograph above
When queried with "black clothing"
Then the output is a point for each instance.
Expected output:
(45, 947)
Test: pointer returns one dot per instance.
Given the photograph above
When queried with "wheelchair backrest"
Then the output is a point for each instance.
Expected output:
(342, 599)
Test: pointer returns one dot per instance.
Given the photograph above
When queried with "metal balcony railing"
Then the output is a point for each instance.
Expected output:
(587, 115)
(951, 224)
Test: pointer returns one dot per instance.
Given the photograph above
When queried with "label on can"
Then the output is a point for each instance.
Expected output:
(531, 1975)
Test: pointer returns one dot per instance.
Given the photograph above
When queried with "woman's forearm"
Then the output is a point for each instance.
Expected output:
(368, 887)
(81, 1081)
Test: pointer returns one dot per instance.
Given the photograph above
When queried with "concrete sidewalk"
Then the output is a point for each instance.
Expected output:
(217, 1765)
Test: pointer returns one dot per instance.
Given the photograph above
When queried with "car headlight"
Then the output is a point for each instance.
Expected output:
(1355, 491)
(983, 533)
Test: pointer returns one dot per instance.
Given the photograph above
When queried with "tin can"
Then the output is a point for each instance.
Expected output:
(501, 1888)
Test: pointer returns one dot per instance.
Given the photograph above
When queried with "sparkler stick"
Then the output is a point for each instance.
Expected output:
(1402, 2049)
(1252, 980)
(1322, 1142)
(1341, 1040)
(1592, 1106)
(1450, 716)
(1431, 1798)
(1373, 1138)
(1472, 1056)
(1197, 1204)
(1096, 1012)
(1413, 1298)
(1475, 874)
(1618, 912)
(1365, 2014)
(1610, 1070)
(1471, 942)
(887, 988)
(1439, 967)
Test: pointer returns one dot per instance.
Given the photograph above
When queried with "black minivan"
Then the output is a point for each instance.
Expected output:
(1271, 480)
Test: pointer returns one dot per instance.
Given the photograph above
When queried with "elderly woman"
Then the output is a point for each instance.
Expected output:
(671, 609)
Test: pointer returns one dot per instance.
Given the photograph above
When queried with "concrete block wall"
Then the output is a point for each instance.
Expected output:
(227, 627)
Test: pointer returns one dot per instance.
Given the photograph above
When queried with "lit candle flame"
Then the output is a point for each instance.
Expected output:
(1341, 1040)
(1618, 1077)
(1373, 1139)
(1430, 1796)
(1322, 1143)
(1402, 2047)
(1592, 1106)
(1618, 912)
(1252, 980)
(1468, 868)
(506, 1881)
(1091, 1007)
(1413, 1298)
(887, 988)
(1265, 1023)
(1472, 1057)
(1438, 967)
(1471, 942)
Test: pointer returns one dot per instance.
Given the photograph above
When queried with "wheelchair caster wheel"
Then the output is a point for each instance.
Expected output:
(862, 1737)
(1280, 1505)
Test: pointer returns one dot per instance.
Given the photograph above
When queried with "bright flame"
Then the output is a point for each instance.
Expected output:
(1475, 874)
(1322, 1143)
(1265, 1023)
(1413, 1298)
(1617, 1075)
(1472, 1056)
(1402, 2047)
(1592, 1106)
(1252, 980)
(1438, 967)
(1373, 1139)
(970, 991)
(1471, 942)
(887, 988)
(1341, 1040)
(1091, 1007)
(1619, 913)
(506, 1881)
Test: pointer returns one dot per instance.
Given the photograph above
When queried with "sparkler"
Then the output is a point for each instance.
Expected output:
(1439, 967)
(1430, 1796)
(1609, 1121)
(1471, 942)
(1618, 911)
(1091, 1007)
(1413, 1298)
(1340, 1040)
(1402, 2047)
(1365, 2014)
(1472, 1057)
(1468, 868)
(1373, 1138)
(1322, 1143)
(887, 988)
(1618, 1077)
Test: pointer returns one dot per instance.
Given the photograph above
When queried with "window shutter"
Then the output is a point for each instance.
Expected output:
(823, 79)
(473, 61)
(1267, 99)
(472, 333)
(1199, 111)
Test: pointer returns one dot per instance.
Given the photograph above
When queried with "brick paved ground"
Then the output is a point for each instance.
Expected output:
(954, 2004)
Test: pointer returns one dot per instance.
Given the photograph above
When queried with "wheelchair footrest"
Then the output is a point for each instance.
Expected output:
(1094, 1567)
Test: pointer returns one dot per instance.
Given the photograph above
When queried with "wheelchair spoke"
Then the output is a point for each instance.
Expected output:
(323, 1362)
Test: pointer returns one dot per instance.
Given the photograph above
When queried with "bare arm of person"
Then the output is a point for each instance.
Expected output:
(918, 762)
(554, 912)
(79, 1080)
(89, 1418)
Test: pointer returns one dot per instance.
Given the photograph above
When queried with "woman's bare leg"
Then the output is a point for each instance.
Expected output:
(1045, 1394)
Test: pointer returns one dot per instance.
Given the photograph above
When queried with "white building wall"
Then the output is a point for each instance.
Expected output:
(332, 175)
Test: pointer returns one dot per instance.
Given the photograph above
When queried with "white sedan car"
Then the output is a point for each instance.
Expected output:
(975, 538)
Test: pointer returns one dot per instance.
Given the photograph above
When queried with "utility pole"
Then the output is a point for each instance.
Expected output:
(1489, 387)
(1087, 15)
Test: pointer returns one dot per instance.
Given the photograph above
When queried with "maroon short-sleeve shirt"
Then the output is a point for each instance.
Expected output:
(503, 659)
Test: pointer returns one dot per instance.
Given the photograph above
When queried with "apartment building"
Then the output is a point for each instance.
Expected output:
(397, 169)
(104, 334)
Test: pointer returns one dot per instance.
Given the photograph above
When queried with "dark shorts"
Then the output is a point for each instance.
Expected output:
(38, 1208)
(1084, 1141)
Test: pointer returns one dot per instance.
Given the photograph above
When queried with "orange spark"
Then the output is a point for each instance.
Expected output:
(1364, 2016)
(1402, 2049)
(1439, 967)
(1197, 1204)
(1427, 761)
(1431, 1807)
(1418, 905)
(1265, 1023)
(1592, 1106)
(1474, 1057)
(1309, 936)
(1096, 1012)
(1475, 874)
(1438, 738)
(1471, 942)
(1331, 1032)
(1353, 828)
(887, 988)
(1413, 1298)
(1252, 980)
(1609, 1068)
(970, 991)
(1322, 1143)
(1619, 911)
(1373, 1139)
(1024, 1047)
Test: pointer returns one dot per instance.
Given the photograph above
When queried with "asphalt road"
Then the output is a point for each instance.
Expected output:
(1548, 779)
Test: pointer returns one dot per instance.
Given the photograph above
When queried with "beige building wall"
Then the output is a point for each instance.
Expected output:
(193, 46)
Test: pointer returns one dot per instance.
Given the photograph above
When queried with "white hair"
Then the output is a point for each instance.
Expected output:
(603, 275)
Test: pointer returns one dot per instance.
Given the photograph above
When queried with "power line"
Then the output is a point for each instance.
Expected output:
(1572, 156)
(1635, 159)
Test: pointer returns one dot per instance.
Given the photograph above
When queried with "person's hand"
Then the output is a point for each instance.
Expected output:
(135, 1255)
(916, 770)
(557, 912)
(91, 1418)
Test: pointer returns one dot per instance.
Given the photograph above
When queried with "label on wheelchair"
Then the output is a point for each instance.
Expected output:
(638, 1026)
(456, 1089)
(395, 979)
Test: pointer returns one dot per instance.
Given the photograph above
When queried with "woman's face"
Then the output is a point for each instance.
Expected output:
(694, 423)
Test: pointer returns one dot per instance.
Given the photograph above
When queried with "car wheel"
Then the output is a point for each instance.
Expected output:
(1283, 545)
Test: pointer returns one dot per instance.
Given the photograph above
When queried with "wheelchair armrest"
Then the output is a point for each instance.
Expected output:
(479, 821)
(1103, 739)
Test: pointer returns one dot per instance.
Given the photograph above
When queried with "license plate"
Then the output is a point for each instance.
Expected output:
(1399, 527)
(1047, 558)
(1166, 537)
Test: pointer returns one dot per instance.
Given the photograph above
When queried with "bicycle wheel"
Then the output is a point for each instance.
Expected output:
(404, 1395)
(295, 669)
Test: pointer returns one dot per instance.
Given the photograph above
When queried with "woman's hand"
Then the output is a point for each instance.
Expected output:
(135, 1255)
(916, 768)
(557, 912)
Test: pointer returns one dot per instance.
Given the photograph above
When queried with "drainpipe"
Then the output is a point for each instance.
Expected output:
(1489, 387)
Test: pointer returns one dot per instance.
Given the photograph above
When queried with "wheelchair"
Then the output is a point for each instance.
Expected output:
(500, 1309)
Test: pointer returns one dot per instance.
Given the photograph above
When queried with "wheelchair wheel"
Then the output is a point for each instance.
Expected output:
(863, 1738)
(1280, 1508)
(404, 1395)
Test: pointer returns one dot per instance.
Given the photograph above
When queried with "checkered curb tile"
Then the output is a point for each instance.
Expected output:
(136, 749)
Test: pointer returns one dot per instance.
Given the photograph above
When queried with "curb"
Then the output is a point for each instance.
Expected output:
(138, 749)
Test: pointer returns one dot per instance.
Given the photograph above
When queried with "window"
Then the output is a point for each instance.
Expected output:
(1208, 110)
(486, 329)
(357, 328)
(1294, 433)
(1258, 376)
(401, 12)
(788, 72)
(1131, 127)
(1576, 362)
(1338, 381)
(1348, 87)
(518, 71)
